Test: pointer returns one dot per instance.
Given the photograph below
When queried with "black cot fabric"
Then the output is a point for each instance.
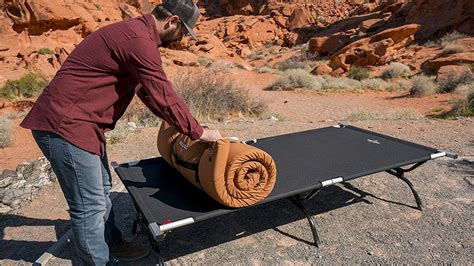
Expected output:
(303, 160)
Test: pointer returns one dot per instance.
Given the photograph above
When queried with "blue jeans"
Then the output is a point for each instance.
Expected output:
(85, 180)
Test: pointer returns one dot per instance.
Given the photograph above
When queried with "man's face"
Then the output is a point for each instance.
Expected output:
(174, 33)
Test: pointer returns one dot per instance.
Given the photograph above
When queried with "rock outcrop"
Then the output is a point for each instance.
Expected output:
(20, 186)
(376, 50)
(438, 17)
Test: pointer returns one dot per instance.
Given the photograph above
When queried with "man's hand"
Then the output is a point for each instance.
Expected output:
(210, 135)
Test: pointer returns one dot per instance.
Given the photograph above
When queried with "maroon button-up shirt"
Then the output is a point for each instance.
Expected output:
(98, 81)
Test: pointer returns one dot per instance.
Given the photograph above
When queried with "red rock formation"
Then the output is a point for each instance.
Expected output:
(438, 17)
(375, 50)
(454, 59)
(452, 71)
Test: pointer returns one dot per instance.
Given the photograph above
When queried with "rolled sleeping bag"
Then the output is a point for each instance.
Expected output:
(166, 138)
(232, 173)
(237, 174)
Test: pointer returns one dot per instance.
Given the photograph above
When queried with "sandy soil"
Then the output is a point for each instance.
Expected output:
(369, 220)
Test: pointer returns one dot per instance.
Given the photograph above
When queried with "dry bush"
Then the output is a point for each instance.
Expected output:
(5, 132)
(212, 96)
(452, 48)
(358, 73)
(376, 84)
(296, 78)
(451, 82)
(257, 56)
(363, 116)
(400, 85)
(465, 106)
(222, 66)
(431, 44)
(395, 70)
(266, 69)
(339, 83)
(139, 114)
(422, 86)
(306, 60)
(450, 37)
(204, 61)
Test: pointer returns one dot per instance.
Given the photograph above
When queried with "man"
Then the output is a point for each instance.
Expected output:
(86, 98)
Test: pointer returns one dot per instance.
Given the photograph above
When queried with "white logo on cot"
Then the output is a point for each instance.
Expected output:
(183, 145)
(374, 141)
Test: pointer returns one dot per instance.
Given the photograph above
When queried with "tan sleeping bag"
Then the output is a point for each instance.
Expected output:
(232, 173)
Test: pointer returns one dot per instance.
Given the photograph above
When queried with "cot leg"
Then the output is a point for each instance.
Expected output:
(400, 173)
(298, 202)
(156, 247)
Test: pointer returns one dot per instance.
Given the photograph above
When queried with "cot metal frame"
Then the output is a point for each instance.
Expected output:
(157, 232)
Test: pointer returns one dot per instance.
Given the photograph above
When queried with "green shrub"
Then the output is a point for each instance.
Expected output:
(213, 95)
(295, 78)
(395, 70)
(451, 82)
(28, 86)
(422, 86)
(45, 51)
(5, 132)
(358, 73)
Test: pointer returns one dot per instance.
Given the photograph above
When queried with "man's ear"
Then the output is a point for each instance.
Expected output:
(172, 20)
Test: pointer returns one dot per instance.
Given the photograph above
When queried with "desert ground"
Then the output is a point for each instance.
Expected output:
(400, 68)
(370, 220)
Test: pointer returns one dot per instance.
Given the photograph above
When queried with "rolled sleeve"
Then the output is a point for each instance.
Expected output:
(142, 59)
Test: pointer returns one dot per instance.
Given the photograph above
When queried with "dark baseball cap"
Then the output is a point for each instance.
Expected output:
(187, 12)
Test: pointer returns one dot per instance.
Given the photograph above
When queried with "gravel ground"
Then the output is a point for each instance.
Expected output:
(369, 220)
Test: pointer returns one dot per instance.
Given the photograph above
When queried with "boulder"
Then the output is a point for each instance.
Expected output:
(453, 59)
(281, 21)
(181, 58)
(328, 45)
(451, 71)
(365, 8)
(440, 16)
(322, 69)
(375, 50)
(366, 25)
(300, 18)
(356, 2)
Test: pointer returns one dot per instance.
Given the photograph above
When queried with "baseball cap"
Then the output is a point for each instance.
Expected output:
(187, 12)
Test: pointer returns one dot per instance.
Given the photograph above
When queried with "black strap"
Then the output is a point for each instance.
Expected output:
(188, 165)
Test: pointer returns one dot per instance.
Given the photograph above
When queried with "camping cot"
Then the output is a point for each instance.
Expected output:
(306, 162)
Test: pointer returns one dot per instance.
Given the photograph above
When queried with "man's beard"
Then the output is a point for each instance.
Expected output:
(169, 40)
